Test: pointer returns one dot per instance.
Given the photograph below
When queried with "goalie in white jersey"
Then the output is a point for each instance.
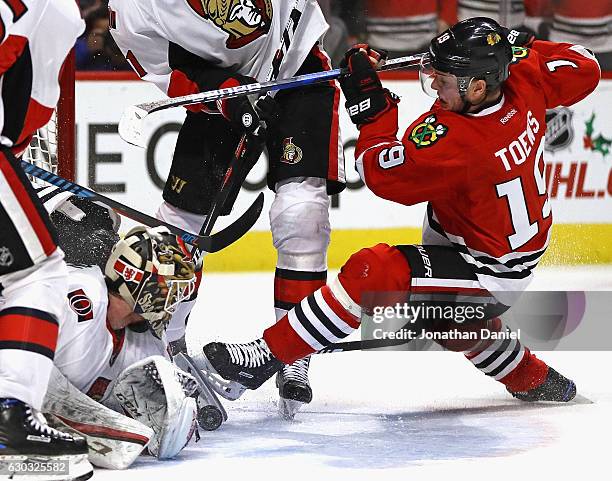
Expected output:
(112, 353)
(188, 46)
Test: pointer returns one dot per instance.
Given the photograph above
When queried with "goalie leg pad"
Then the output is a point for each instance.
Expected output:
(151, 391)
(115, 441)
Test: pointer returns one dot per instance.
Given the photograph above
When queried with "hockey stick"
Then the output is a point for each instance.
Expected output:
(234, 175)
(207, 243)
(131, 123)
(367, 344)
(249, 147)
(362, 345)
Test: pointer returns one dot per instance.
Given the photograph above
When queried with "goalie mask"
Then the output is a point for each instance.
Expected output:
(153, 273)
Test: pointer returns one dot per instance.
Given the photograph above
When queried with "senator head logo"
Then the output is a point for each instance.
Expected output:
(243, 20)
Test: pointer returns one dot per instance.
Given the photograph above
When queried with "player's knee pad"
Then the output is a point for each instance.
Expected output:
(299, 219)
(381, 269)
(153, 391)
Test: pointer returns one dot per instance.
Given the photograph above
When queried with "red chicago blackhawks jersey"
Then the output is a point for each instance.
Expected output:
(242, 35)
(482, 173)
(36, 36)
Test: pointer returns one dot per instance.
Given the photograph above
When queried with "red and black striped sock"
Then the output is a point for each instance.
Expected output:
(290, 287)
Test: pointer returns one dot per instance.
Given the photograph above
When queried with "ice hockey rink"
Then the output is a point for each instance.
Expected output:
(393, 415)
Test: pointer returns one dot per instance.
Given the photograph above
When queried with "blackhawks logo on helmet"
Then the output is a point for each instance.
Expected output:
(493, 38)
(428, 132)
(243, 20)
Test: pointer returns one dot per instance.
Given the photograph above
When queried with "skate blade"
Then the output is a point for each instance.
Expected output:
(580, 399)
(288, 408)
(211, 413)
(230, 390)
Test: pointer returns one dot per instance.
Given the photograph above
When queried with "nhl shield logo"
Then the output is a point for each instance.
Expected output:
(559, 129)
(6, 257)
(292, 154)
(243, 20)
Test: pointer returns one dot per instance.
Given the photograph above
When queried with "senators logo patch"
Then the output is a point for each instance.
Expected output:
(243, 20)
(292, 154)
(428, 132)
(81, 305)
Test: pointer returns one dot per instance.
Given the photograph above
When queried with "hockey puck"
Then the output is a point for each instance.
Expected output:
(209, 417)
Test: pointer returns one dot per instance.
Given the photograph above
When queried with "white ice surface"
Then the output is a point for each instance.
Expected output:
(393, 415)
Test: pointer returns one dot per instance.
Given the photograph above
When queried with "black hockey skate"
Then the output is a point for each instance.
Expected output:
(232, 368)
(555, 388)
(27, 441)
(293, 387)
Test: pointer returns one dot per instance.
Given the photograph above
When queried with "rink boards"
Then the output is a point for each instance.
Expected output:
(578, 173)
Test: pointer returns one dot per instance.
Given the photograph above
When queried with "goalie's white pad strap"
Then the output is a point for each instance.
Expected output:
(114, 440)
(150, 390)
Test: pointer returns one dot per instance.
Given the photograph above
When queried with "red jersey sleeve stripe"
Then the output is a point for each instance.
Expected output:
(22, 196)
(29, 330)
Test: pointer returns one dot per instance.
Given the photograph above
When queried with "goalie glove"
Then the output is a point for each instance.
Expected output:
(55, 199)
(153, 391)
(366, 99)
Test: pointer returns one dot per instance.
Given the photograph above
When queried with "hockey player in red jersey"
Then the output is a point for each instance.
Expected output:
(476, 158)
(36, 36)
(187, 46)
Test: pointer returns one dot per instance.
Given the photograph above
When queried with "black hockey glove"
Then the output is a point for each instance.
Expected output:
(242, 113)
(239, 110)
(520, 37)
(366, 99)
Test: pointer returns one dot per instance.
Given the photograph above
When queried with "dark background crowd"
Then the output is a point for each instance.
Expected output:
(401, 27)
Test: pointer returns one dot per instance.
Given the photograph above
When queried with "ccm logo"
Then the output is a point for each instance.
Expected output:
(360, 107)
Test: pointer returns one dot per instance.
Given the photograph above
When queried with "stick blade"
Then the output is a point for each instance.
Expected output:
(238, 228)
(130, 125)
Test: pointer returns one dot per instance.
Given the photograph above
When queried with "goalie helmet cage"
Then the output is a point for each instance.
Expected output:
(53, 147)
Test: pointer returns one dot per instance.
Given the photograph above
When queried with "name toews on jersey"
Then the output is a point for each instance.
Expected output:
(483, 173)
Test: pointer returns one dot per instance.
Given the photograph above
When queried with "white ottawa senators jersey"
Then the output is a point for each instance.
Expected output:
(243, 35)
(85, 344)
(483, 173)
(88, 352)
(36, 37)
